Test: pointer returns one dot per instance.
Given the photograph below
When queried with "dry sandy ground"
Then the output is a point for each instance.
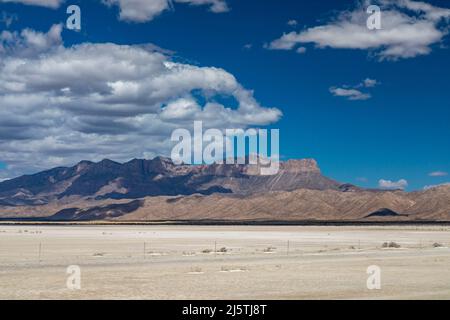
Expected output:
(179, 262)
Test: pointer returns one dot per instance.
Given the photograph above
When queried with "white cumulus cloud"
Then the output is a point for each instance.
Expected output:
(351, 94)
(393, 185)
(59, 105)
(369, 83)
(147, 10)
(409, 29)
(136, 10)
(438, 174)
(354, 92)
(42, 3)
(29, 42)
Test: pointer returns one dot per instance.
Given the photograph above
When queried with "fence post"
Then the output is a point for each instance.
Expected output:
(215, 249)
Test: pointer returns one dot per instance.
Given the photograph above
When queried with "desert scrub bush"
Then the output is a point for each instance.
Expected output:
(196, 270)
(223, 250)
(269, 249)
(206, 251)
(391, 245)
(437, 245)
(233, 269)
(99, 254)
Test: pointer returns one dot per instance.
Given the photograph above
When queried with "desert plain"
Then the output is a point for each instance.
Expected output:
(224, 262)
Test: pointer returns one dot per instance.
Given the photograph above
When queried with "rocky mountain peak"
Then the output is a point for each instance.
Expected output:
(82, 165)
(161, 177)
(301, 165)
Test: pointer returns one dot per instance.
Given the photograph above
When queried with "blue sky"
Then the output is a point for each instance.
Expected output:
(401, 132)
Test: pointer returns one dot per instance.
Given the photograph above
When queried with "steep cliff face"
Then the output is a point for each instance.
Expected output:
(302, 165)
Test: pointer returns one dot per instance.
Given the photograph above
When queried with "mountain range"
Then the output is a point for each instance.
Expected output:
(159, 190)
